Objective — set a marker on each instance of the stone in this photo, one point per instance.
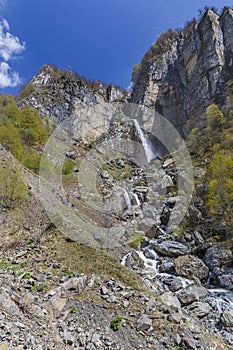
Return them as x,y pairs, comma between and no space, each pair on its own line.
167,267
218,256
4,346
95,338
227,318
104,290
199,309
191,267
225,279
170,248
191,293
144,323
167,163
149,226
169,299
189,344
59,303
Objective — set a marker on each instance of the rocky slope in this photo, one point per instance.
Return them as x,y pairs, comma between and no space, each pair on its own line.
182,80
58,294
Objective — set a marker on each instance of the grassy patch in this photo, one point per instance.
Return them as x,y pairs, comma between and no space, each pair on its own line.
83,259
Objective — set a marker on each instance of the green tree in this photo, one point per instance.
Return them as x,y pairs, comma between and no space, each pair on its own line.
32,127
10,139
220,188
214,117
13,189
31,159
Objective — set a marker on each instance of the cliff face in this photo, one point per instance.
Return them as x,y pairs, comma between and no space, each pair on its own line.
185,79
58,94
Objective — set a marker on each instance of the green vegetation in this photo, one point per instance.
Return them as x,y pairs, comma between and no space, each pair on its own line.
22,131
136,240
214,117
116,323
220,188
68,167
83,259
214,153
13,189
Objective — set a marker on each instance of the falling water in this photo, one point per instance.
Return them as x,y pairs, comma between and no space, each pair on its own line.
127,199
124,259
137,199
146,144
153,263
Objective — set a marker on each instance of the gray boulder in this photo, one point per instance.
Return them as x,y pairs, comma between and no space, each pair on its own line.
170,248
191,267
218,256
191,293
227,318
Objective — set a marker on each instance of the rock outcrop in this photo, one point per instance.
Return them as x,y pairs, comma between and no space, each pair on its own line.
183,80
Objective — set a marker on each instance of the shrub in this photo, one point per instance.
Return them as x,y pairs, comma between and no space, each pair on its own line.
116,323
214,117
13,189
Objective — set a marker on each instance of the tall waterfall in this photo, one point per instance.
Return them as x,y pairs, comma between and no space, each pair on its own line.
146,143
127,199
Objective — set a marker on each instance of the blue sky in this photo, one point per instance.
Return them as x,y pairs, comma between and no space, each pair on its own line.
100,39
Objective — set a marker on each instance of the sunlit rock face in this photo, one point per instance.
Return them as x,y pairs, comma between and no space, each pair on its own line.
185,79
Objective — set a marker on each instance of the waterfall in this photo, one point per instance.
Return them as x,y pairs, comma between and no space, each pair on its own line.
152,263
146,144
127,199
124,259
137,199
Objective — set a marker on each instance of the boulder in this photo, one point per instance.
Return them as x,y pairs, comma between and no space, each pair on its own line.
227,318
218,256
190,266
225,279
169,299
144,323
148,226
199,309
191,293
170,248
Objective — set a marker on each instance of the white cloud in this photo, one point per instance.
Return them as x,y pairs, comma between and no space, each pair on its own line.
10,48
7,77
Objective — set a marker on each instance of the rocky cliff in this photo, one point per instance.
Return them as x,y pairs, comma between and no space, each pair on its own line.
182,80
57,94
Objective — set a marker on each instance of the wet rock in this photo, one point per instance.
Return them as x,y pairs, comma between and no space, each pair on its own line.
190,266
167,267
225,279
170,248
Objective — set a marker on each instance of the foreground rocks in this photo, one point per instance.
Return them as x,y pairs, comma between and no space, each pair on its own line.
45,306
